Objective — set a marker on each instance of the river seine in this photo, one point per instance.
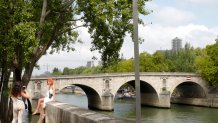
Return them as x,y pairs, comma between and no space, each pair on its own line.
126,109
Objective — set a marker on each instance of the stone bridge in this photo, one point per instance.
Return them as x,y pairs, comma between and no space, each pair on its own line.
156,88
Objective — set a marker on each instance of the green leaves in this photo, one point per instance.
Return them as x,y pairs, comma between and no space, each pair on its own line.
16,29
108,23
207,64
23,36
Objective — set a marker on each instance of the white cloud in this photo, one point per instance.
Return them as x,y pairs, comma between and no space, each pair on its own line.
169,15
127,49
159,37
173,16
156,37
204,2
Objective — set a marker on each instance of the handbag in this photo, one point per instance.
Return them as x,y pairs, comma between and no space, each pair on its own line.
50,95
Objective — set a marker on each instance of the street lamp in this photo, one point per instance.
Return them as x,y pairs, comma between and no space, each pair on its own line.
136,60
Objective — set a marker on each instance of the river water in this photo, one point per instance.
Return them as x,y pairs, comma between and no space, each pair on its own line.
126,109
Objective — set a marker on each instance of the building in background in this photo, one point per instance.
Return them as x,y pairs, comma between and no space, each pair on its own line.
176,44
90,64
99,63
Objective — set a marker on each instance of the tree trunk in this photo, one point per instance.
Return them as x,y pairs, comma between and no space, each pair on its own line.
1,83
5,91
17,74
2,62
4,98
26,78
4,109
28,71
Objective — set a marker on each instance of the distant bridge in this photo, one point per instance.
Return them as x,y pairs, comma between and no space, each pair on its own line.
156,88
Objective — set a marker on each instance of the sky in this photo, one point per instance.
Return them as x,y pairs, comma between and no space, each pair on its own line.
194,21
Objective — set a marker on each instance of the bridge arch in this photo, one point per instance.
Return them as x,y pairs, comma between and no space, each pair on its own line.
149,95
60,89
94,99
188,89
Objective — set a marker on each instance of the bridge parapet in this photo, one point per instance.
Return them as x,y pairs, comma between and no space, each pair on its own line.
117,74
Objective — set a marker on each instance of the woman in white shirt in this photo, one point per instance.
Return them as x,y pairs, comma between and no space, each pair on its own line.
49,96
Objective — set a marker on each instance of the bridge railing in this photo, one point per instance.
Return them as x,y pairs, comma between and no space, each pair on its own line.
119,74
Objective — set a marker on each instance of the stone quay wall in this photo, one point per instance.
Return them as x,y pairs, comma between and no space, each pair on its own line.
57,112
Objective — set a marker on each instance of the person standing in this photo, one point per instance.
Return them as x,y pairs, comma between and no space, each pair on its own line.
17,93
50,96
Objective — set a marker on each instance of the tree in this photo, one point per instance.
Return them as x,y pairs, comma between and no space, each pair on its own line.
56,71
186,58
122,66
30,27
161,63
66,71
207,64
10,31
113,17
182,60
146,62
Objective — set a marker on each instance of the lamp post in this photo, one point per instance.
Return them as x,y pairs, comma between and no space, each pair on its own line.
136,60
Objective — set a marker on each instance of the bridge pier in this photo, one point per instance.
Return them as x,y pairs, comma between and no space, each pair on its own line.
107,101
164,99
151,99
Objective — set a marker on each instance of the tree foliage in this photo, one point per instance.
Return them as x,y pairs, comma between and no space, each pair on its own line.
56,71
207,64
108,23
167,61
121,66
181,60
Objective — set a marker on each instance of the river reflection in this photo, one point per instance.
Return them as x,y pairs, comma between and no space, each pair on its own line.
126,109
